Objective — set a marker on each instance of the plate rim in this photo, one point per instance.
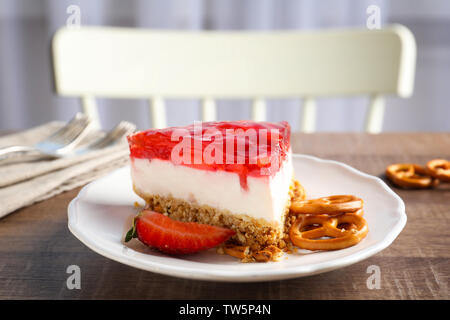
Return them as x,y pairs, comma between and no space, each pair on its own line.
248,276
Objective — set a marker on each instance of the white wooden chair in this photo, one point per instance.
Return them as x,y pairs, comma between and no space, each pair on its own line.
92,62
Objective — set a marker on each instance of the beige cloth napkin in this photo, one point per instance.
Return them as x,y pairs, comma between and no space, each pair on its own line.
23,184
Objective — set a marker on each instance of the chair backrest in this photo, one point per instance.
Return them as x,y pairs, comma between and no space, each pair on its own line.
110,62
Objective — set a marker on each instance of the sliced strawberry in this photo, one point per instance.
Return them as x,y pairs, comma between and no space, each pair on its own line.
161,232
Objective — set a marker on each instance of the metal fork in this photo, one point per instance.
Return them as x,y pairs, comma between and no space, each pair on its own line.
58,144
124,128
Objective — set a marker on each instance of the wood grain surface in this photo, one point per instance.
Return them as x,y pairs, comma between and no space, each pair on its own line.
36,246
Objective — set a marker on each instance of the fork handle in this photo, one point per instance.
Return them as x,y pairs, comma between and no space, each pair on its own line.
15,154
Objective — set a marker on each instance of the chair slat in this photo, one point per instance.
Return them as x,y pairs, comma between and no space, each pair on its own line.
131,63
158,112
375,114
89,107
308,120
209,110
259,109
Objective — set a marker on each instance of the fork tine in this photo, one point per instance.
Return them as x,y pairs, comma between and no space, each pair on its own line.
76,129
74,132
119,131
72,137
70,130
77,119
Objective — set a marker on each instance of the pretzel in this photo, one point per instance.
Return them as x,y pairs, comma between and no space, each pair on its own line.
270,253
332,205
346,226
439,169
239,252
262,255
305,237
409,175
299,191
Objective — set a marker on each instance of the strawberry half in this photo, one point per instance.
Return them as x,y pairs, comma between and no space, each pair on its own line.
170,236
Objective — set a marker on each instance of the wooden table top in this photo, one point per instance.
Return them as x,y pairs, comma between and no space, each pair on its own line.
36,246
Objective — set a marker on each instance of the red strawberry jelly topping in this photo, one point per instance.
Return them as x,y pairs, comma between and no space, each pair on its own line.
247,147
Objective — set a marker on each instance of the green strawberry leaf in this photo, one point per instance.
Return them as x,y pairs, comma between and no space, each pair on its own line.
132,232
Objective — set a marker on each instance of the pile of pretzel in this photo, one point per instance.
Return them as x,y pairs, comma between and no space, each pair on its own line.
414,176
327,223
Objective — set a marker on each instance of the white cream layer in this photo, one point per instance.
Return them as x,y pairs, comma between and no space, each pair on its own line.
265,198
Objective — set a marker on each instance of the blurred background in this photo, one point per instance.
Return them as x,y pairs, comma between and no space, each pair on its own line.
27,96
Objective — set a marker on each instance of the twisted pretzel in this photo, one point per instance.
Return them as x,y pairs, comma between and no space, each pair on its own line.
439,169
307,230
409,175
332,205
346,226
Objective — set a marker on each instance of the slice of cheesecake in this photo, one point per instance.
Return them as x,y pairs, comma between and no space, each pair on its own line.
233,174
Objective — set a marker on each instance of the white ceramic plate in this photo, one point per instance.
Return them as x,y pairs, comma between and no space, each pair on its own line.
102,212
